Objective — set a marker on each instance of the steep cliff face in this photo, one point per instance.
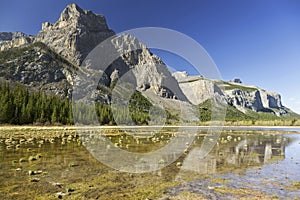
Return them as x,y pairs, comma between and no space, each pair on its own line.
8,36
243,97
48,61
148,70
258,100
75,33
10,40
78,31
198,89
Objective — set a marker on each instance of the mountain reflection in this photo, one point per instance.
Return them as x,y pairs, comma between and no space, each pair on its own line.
237,152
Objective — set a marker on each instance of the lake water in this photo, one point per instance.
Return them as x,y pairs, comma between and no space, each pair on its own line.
58,163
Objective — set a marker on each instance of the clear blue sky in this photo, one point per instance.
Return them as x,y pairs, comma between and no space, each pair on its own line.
257,41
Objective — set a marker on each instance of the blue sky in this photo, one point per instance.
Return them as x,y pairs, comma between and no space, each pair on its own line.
257,41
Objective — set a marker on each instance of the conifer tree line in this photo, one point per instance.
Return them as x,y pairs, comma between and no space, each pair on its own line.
19,106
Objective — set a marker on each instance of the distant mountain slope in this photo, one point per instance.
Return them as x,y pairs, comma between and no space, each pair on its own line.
8,36
51,60
37,67
72,37
250,101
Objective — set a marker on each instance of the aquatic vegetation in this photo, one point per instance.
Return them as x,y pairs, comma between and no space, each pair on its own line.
57,169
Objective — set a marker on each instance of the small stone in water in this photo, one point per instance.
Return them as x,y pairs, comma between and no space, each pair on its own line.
35,180
210,187
38,155
30,172
32,158
60,195
161,161
22,160
57,184
70,190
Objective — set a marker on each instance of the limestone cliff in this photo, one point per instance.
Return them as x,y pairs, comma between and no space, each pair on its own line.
258,100
243,97
50,60
10,40
8,36
198,89
75,33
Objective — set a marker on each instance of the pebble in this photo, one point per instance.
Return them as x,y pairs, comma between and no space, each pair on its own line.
22,160
70,190
161,161
60,195
18,169
32,158
35,180
178,164
210,187
30,172
57,184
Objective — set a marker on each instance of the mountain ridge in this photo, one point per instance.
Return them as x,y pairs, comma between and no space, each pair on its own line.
77,32
241,96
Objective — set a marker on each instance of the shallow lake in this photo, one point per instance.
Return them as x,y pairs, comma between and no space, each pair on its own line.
64,163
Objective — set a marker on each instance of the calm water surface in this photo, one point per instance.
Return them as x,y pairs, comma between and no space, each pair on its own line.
51,164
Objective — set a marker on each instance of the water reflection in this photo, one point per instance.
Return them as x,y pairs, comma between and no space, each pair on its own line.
237,152
67,159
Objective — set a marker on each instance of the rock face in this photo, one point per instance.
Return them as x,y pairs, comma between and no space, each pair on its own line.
257,100
75,34
243,97
148,70
135,64
197,89
78,31
10,40
8,36
49,62
38,68
270,99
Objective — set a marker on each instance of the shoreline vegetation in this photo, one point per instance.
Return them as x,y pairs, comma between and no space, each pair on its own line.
203,127
20,106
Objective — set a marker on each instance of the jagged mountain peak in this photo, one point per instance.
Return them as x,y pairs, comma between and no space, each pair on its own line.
73,14
76,33
71,11
73,7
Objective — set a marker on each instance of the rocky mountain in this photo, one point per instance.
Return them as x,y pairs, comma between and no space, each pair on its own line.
75,33
51,60
240,96
8,36
37,67
72,37
198,89
10,40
